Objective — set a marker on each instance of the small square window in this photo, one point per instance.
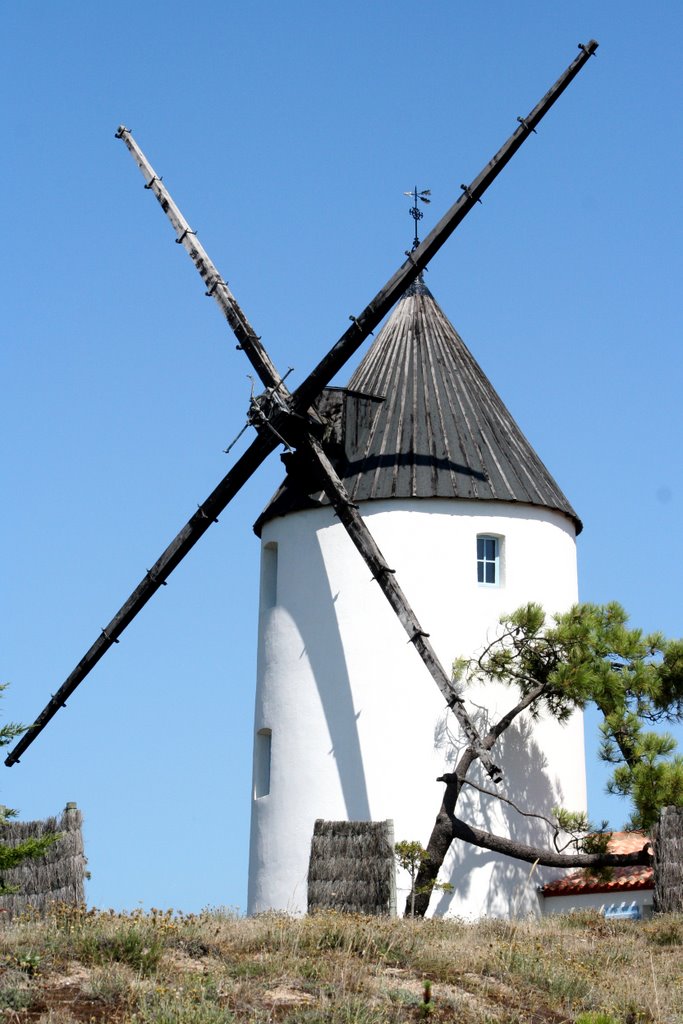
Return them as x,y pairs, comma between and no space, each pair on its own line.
488,560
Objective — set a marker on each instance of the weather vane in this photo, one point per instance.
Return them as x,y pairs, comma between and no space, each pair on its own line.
415,211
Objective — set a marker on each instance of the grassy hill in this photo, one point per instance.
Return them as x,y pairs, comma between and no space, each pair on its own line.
162,968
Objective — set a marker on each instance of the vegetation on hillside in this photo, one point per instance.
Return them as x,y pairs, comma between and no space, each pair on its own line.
159,968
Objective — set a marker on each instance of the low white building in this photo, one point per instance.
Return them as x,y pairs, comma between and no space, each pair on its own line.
627,892
348,723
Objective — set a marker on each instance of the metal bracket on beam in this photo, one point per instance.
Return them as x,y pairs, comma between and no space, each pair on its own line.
485,755
182,236
525,124
150,183
468,192
111,639
214,284
203,515
416,636
409,254
356,321
347,504
155,578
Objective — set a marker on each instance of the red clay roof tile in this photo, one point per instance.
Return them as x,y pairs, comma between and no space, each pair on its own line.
626,879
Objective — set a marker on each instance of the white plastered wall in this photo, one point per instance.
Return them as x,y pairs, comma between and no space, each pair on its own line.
643,898
358,726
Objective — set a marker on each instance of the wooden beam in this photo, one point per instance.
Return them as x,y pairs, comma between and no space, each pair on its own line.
156,577
417,260
216,287
292,408
385,577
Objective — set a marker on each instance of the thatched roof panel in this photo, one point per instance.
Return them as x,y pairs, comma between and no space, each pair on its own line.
352,867
57,876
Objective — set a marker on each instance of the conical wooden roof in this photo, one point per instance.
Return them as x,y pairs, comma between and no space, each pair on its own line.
433,428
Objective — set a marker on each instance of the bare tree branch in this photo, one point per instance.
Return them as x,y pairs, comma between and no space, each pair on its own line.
506,800
499,728
531,854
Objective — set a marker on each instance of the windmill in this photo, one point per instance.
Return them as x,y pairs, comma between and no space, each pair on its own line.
300,421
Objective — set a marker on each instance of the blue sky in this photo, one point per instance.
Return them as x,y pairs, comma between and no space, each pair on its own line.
287,134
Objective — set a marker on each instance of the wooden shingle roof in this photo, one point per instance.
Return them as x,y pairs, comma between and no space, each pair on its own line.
420,419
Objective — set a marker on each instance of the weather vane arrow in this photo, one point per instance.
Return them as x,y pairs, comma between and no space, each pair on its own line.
415,211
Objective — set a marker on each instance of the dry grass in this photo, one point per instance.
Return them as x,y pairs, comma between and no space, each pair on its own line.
160,968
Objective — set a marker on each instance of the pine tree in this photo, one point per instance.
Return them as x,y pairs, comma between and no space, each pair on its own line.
586,656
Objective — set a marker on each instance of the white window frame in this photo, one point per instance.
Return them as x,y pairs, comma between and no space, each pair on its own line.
485,561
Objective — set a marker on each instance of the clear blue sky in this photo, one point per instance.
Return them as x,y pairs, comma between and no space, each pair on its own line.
287,133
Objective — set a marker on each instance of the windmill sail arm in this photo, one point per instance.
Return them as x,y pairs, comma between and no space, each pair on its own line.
216,287
365,543
418,259
196,527
374,312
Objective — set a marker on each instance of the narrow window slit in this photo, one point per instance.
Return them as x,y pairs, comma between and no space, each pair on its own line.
264,739
269,576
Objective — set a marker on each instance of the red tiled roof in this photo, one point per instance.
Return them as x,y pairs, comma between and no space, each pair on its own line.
626,879
627,842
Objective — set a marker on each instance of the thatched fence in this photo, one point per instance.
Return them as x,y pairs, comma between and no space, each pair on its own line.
57,876
667,841
352,867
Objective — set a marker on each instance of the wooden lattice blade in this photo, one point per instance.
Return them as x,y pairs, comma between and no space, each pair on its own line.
216,287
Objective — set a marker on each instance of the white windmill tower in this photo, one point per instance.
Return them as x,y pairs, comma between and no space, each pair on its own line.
344,727
348,725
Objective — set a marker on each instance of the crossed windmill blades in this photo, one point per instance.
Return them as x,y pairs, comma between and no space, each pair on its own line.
280,416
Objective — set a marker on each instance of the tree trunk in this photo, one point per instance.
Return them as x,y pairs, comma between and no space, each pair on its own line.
441,837
442,833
